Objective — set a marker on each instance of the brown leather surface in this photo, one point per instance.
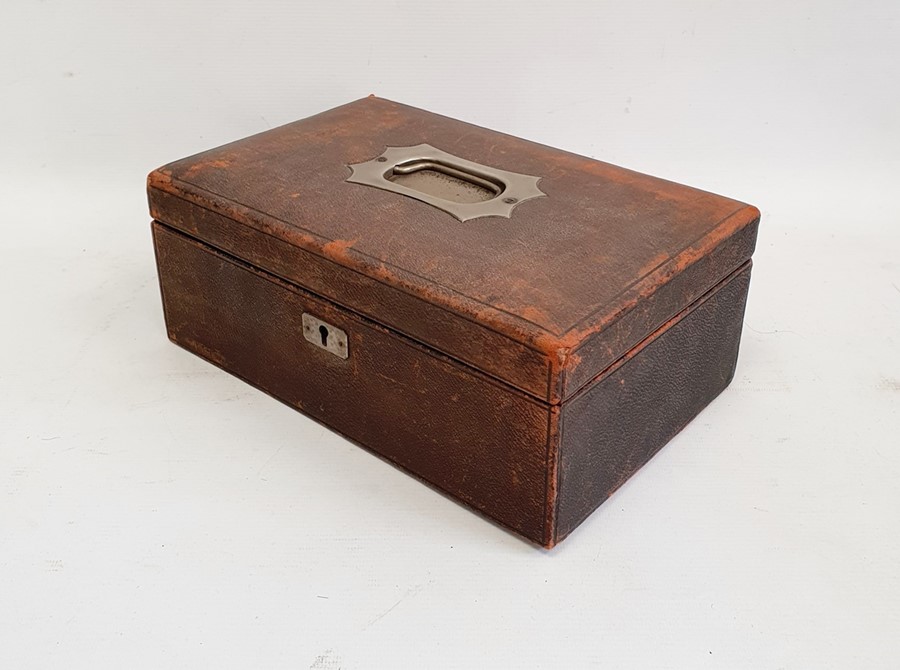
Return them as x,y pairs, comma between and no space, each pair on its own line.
615,425
544,300
470,436
518,364
536,468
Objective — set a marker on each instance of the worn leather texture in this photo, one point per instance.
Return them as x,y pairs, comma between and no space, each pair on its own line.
544,300
621,420
483,442
534,467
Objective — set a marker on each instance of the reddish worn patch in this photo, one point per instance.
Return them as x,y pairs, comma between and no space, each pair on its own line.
534,306
381,271
216,163
654,263
338,250
535,315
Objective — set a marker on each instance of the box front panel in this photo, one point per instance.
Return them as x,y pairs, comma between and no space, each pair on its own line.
480,441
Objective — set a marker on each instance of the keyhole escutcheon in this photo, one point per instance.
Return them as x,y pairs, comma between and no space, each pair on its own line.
325,336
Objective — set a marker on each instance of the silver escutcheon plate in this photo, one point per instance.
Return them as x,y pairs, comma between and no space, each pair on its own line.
462,188
325,336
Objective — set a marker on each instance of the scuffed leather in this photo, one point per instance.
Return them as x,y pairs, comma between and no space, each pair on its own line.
543,300
620,421
478,440
533,467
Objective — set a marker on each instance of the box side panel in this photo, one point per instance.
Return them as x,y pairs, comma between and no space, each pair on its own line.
643,308
615,425
480,441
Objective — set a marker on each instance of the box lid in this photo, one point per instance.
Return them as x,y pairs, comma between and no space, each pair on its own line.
543,294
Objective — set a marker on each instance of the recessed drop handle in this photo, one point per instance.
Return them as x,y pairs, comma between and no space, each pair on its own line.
496,188
462,188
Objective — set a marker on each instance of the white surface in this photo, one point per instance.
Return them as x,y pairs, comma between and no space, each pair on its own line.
156,512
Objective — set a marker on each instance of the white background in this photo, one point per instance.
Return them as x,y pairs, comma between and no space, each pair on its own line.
156,512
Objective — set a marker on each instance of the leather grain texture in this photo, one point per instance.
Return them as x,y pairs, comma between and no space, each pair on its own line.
482,442
623,418
543,301
534,467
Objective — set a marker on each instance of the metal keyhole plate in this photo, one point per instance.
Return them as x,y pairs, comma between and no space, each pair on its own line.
325,336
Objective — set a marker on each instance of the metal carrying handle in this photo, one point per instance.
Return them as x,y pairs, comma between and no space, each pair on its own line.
462,188
418,165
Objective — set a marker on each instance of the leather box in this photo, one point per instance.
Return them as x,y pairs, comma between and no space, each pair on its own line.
520,327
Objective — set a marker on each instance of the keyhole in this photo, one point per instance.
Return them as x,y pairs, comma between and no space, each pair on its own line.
323,333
